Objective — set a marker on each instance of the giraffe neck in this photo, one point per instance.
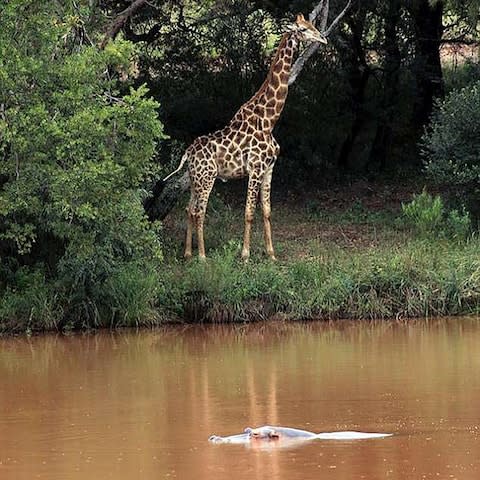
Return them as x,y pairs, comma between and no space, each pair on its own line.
264,109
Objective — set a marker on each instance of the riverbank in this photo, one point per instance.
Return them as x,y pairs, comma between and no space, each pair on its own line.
417,279
350,258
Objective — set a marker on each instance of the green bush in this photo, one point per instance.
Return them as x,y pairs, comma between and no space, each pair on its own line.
428,216
29,302
424,213
451,146
129,295
77,147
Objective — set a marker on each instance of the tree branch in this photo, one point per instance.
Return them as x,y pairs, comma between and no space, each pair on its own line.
147,37
339,17
301,61
120,20
316,11
321,10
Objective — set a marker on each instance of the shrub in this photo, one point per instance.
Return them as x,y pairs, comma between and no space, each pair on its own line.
451,146
424,212
428,216
77,148
461,75
29,302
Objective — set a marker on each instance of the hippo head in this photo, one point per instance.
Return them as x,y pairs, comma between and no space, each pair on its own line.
262,433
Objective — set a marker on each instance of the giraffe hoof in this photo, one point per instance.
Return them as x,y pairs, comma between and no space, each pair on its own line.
273,258
187,255
245,257
202,258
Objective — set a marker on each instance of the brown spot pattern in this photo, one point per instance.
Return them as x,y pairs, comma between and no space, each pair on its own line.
245,147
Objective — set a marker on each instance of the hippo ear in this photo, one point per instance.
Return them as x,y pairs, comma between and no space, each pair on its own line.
273,434
248,430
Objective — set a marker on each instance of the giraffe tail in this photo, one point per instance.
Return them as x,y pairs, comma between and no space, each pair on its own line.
182,163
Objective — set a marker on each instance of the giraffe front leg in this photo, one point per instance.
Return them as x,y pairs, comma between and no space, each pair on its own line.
267,227
252,196
201,208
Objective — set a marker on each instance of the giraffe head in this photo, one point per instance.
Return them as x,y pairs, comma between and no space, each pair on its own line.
305,31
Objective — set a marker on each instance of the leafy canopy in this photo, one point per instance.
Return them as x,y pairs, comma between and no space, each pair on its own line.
76,147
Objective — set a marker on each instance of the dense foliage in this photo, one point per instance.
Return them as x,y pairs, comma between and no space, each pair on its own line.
452,145
76,151
360,105
86,88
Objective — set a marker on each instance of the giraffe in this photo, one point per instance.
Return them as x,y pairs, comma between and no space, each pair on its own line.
245,147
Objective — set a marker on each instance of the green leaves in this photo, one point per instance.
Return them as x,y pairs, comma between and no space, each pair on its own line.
451,146
76,152
429,217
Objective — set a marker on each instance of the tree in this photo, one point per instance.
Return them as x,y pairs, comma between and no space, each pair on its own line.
428,26
76,148
360,105
451,146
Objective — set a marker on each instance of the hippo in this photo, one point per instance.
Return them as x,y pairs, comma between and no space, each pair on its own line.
287,436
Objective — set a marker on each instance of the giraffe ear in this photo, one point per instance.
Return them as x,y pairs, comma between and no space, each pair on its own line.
300,17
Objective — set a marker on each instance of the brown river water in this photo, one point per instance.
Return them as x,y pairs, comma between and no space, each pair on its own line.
142,405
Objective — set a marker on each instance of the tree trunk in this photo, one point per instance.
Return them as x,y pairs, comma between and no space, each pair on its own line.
358,75
427,67
384,135
164,196
358,81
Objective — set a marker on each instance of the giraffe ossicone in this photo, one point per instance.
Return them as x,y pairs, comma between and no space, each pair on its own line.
246,146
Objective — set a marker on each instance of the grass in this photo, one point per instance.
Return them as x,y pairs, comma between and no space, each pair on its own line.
354,258
357,259
418,279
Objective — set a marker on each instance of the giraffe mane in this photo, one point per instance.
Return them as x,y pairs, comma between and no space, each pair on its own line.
274,60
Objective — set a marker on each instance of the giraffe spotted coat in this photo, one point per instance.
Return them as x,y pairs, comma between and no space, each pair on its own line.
245,147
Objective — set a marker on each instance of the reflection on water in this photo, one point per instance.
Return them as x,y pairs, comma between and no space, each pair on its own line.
125,405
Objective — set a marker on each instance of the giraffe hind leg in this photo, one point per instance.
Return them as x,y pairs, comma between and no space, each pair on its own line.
266,208
252,197
190,225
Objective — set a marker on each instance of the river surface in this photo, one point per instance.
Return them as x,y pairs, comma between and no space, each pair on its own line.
142,405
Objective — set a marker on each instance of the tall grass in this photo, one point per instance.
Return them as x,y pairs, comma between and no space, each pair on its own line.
419,279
